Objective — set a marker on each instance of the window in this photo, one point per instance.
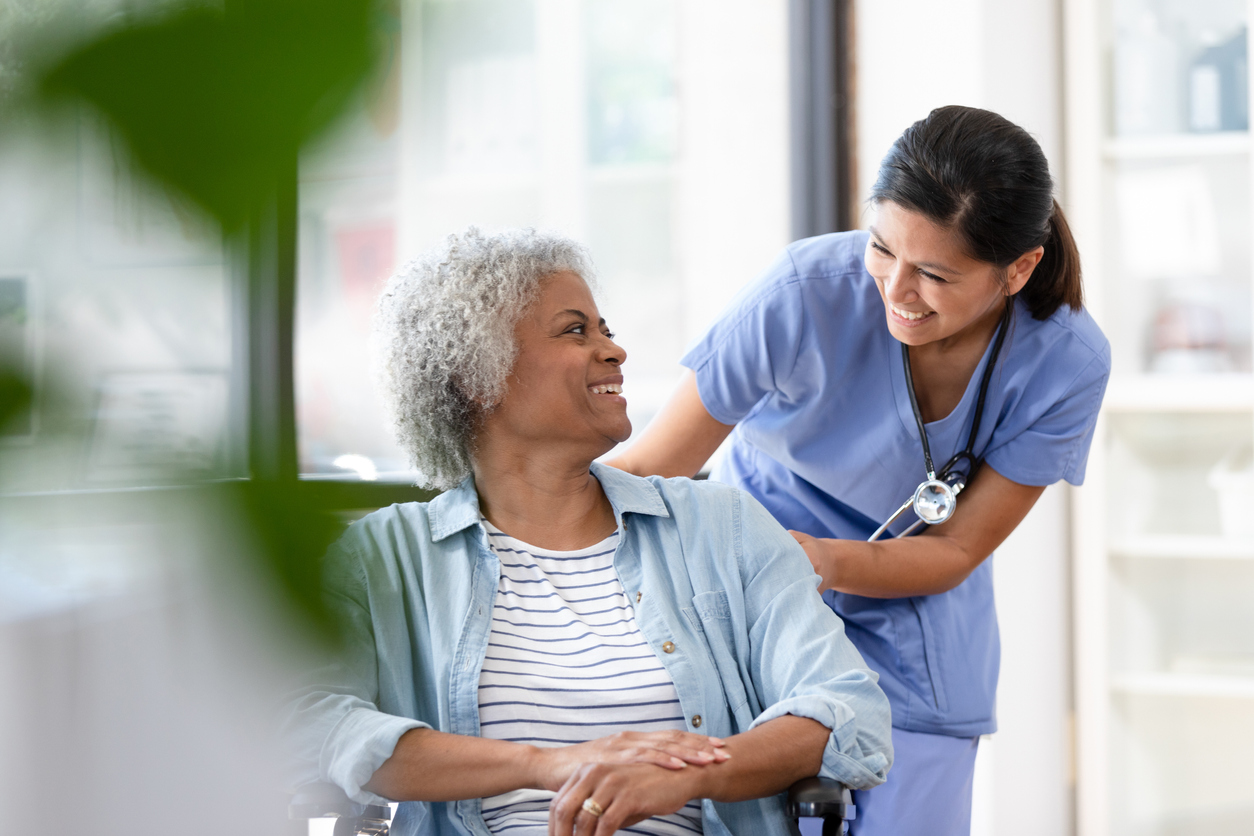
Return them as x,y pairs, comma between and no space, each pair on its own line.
654,131
657,132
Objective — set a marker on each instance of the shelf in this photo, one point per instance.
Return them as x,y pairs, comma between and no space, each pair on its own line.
486,181
631,172
1219,392
1183,546
503,181
1182,685
1176,146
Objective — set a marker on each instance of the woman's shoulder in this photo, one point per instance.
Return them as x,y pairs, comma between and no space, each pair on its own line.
700,507
1066,339
687,504
822,259
699,494
826,271
402,532
830,275
833,254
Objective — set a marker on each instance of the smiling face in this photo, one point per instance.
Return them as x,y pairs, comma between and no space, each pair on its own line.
933,290
566,385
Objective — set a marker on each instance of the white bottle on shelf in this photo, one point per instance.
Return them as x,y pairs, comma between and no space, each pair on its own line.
1148,80
1218,84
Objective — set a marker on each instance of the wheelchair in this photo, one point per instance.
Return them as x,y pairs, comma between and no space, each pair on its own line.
820,798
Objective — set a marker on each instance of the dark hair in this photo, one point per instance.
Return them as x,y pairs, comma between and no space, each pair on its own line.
978,173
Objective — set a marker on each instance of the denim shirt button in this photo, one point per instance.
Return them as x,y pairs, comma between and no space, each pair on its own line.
696,721
638,594
668,647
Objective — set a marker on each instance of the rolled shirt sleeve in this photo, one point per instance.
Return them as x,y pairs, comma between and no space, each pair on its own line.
801,661
333,726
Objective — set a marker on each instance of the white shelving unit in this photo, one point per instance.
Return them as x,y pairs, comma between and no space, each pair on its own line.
1183,685
1163,575
1176,146
1182,547
1141,393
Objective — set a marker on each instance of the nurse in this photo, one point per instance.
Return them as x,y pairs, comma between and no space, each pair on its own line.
966,284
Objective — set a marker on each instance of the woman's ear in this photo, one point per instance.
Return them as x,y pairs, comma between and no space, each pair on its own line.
1020,270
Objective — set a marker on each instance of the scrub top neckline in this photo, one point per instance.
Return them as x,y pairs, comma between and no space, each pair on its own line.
960,413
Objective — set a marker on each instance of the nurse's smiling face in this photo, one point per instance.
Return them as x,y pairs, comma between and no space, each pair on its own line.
932,290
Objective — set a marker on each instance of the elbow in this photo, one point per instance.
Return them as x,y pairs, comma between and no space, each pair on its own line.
958,562
860,754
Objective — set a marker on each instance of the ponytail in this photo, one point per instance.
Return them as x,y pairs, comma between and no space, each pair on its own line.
1056,280
984,177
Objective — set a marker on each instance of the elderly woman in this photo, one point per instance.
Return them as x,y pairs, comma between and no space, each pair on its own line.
552,645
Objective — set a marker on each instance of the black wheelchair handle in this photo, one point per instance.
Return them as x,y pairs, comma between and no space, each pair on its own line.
820,798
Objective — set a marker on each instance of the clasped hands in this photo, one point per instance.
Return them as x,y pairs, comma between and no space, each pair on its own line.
630,776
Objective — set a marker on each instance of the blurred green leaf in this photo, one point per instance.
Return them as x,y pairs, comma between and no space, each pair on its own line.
216,101
15,396
293,535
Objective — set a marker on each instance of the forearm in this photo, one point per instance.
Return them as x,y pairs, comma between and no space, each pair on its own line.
679,440
896,568
764,761
428,765
935,561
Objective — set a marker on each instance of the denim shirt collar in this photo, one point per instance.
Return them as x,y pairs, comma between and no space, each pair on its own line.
458,509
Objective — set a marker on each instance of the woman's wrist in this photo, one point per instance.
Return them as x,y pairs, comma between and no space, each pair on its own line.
537,766
705,781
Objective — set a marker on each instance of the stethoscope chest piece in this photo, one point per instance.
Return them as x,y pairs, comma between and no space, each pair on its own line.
934,501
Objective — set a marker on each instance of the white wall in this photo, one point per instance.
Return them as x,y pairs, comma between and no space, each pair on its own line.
914,55
142,664
1003,55
1028,777
733,213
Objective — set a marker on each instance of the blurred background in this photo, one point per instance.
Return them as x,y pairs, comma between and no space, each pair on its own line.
174,352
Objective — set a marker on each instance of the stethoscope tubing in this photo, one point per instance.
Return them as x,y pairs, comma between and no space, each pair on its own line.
967,453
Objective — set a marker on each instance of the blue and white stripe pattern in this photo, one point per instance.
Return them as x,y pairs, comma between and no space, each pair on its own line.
566,663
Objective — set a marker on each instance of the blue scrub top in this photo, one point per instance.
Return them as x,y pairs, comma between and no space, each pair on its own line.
804,364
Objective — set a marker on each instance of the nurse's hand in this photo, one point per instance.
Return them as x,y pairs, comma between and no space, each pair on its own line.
819,552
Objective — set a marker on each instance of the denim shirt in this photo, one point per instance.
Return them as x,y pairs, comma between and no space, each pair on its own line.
709,571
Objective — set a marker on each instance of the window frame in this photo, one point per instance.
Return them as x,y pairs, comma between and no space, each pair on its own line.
265,257
821,105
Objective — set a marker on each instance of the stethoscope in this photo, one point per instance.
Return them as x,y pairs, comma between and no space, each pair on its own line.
935,500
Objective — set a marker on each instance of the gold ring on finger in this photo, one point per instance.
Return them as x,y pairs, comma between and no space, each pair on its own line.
590,806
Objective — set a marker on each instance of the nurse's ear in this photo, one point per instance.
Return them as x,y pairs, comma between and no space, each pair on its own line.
1020,270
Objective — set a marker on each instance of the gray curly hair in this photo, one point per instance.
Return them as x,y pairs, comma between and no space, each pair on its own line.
444,337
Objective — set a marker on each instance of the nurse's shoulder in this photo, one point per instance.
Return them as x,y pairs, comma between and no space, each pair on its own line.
1067,339
825,272
722,528
830,255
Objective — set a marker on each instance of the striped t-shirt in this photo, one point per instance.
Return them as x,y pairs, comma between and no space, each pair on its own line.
566,663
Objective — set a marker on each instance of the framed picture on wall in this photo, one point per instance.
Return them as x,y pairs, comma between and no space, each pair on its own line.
159,426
